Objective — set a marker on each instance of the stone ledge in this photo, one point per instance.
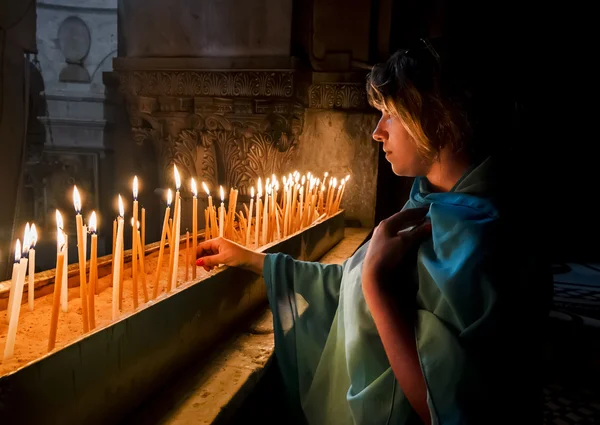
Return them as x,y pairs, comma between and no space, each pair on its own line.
213,391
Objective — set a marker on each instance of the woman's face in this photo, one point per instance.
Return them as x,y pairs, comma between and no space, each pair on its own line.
399,147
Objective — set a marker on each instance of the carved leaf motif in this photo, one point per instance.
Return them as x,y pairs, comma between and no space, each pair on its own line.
140,135
188,83
185,152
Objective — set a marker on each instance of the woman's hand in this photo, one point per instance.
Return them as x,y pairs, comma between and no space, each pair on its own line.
391,242
220,251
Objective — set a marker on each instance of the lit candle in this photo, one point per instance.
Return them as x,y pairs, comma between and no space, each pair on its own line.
258,207
62,242
81,252
249,213
117,265
16,307
60,239
161,249
175,242
31,288
15,278
93,268
134,250
194,223
222,213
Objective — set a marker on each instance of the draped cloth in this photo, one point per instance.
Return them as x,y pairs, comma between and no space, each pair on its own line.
328,349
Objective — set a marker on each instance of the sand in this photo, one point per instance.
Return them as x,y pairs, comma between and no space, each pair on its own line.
33,331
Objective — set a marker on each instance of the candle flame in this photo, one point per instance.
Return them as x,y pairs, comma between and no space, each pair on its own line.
17,251
177,178
284,181
334,182
59,221
135,188
33,236
259,187
76,200
252,192
303,180
121,207
222,193
27,237
194,188
169,197
273,178
93,224
205,187
325,175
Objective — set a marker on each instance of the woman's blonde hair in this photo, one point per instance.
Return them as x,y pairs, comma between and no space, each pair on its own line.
409,86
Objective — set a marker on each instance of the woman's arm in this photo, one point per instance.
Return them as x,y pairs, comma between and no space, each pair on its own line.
388,247
396,329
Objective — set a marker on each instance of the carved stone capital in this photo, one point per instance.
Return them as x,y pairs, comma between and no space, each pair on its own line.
224,127
238,83
344,96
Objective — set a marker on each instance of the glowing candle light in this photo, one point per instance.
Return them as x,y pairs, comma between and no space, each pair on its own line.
15,279
177,231
93,225
222,213
81,251
60,243
117,261
31,288
134,247
194,223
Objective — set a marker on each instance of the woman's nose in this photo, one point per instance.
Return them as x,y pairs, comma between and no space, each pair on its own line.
379,134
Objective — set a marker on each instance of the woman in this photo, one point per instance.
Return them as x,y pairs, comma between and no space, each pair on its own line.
418,326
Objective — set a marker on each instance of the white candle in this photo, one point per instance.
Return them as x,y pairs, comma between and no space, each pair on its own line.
31,287
117,261
14,280
250,216
16,308
222,213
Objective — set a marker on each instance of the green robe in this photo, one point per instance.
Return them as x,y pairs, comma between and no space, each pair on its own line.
330,354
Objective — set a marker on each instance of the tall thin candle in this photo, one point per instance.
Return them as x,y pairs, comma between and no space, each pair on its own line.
175,242
117,265
31,287
161,249
222,213
93,269
194,223
60,238
249,216
62,243
134,247
16,308
81,251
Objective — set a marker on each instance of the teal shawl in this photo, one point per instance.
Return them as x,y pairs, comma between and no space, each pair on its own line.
327,346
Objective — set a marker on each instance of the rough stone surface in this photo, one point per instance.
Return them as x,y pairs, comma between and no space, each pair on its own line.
211,392
205,28
340,143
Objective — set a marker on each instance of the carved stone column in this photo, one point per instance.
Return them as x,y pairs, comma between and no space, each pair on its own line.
224,127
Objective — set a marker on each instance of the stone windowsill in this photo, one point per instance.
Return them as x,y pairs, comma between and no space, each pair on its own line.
217,387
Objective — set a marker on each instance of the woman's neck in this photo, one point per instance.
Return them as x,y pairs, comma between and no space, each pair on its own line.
445,172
